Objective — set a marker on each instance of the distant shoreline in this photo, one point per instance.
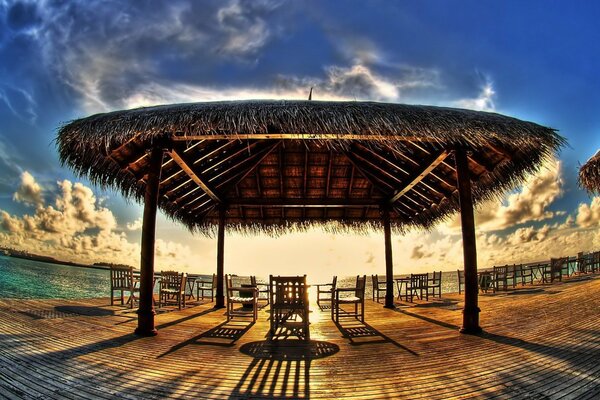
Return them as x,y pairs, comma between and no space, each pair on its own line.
46,259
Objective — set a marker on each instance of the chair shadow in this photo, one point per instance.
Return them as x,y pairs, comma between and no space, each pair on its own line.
427,319
361,333
88,311
188,317
280,369
224,334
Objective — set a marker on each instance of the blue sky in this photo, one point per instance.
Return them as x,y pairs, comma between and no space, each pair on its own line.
534,60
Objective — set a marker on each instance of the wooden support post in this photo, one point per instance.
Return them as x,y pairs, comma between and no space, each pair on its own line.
389,261
146,309
220,298
467,220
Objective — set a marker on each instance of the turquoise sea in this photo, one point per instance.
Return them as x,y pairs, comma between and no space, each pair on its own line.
26,279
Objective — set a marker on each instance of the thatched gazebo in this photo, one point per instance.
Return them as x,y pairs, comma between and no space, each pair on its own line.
278,166
589,174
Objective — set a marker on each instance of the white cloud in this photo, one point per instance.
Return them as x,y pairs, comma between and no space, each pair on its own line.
527,204
588,215
29,192
483,102
135,225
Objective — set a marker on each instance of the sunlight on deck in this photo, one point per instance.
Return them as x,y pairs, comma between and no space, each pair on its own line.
541,343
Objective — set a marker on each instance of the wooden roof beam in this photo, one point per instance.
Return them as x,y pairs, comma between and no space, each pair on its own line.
260,154
420,175
376,167
193,176
302,136
315,203
382,158
329,173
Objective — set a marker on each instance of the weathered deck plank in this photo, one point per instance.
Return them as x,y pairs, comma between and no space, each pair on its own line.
540,343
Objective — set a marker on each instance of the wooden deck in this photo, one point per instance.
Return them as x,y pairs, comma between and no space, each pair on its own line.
539,343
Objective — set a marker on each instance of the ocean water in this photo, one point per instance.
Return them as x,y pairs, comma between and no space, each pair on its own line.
26,279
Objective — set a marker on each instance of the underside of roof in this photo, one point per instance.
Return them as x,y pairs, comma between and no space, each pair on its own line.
280,166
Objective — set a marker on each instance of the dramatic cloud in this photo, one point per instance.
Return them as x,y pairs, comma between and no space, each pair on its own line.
30,192
529,203
76,227
588,215
106,54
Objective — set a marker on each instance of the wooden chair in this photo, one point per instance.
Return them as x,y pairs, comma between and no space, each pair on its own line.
378,287
461,280
121,279
525,272
357,299
595,263
417,287
240,295
554,270
289,306
502,275
434,284
325,289
172,288
263,288
485,280
203,286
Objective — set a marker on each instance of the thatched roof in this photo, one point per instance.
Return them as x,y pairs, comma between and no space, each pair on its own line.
284,165
589,174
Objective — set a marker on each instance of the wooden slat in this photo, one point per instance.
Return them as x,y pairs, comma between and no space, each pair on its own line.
287,202
193,176
418,177
536,345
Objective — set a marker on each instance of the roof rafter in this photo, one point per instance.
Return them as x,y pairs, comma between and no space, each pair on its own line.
430,166
194,176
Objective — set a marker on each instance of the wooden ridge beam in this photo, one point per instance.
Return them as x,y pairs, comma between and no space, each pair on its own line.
302,136
193,176
317,203
422,174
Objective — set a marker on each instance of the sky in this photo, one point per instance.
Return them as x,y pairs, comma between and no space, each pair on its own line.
59,60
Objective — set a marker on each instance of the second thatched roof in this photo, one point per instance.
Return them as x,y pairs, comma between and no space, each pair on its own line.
589,174
285,165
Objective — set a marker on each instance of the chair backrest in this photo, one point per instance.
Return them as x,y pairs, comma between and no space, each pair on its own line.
228,284
121,277
288,290
172,280
361,282
418,280
500,272
461,280
375,281
214,281
556,264
436,280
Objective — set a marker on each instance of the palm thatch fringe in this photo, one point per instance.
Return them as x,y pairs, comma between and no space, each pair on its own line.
86,144
589,174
